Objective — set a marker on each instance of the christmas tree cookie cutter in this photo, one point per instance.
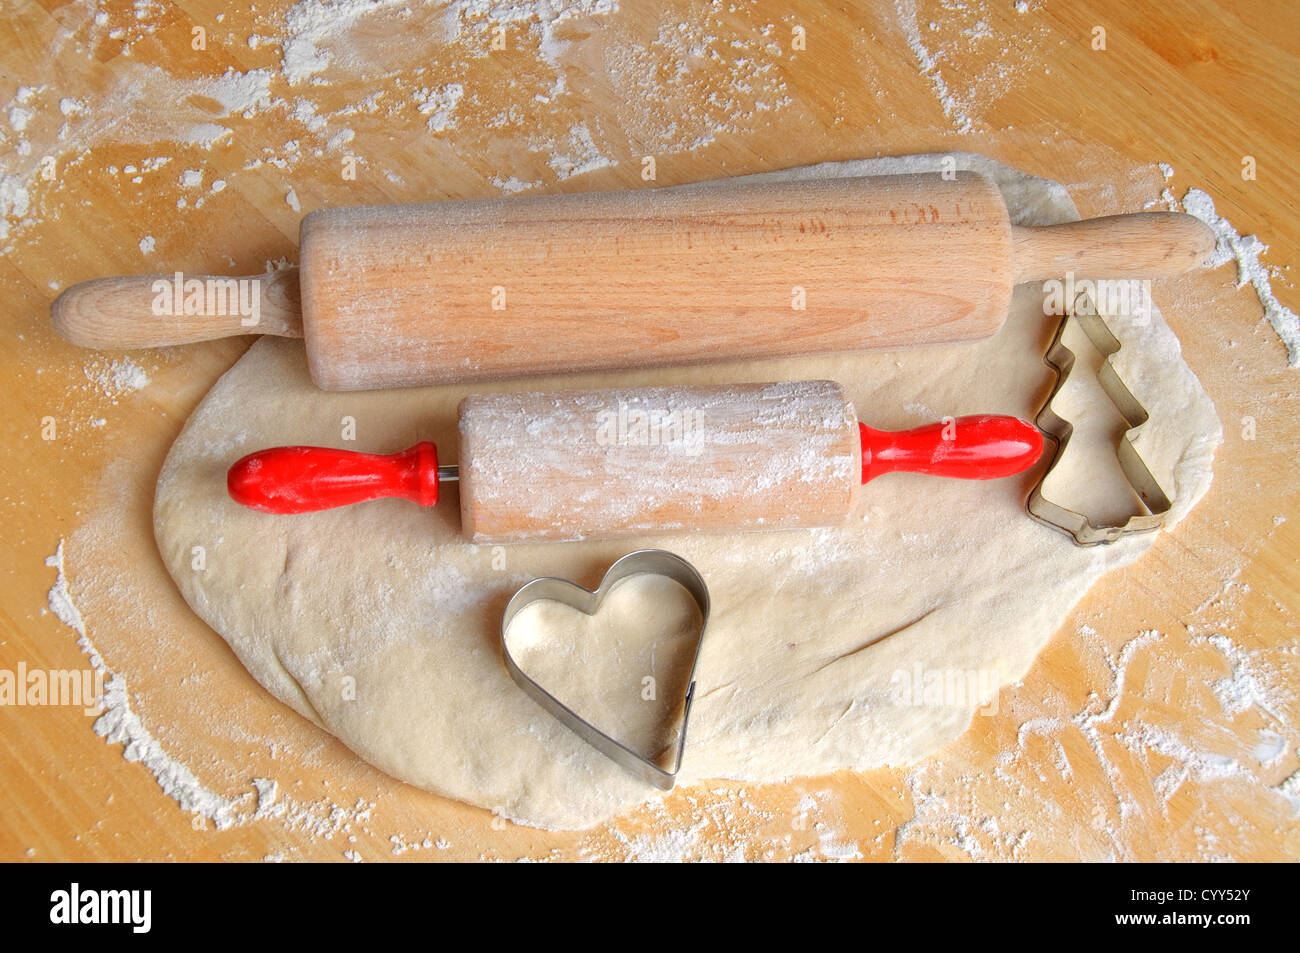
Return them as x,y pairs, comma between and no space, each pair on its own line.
1148,489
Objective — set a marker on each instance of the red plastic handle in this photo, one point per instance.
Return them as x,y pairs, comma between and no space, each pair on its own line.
303,479
980,447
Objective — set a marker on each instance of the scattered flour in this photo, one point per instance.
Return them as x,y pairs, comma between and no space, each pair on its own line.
19,118
14,201
114,379
304,112
146,247
351,39
1245,687
581,155
119,724
1246,251
512,184
439,104
341,138
543,18
1290,789
953,108
311,24
665,847
239,93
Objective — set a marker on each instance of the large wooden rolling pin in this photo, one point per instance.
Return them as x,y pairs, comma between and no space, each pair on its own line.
496,288
621,462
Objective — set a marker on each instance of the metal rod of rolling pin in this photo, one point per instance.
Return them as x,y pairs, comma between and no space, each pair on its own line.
448,474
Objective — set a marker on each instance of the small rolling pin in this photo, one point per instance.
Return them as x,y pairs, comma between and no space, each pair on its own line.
607,463
494,288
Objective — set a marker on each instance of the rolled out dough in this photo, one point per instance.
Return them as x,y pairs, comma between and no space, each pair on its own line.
826,648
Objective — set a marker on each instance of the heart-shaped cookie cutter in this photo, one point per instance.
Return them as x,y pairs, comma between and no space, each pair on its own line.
656,562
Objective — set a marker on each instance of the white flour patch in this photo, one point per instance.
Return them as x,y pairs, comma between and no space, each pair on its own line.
580,156
14,201
667,847
723,826
831,842
119,724
239,93
439,104
969,65
953,108
691,84
61,604
19,117
349,46
1290,789
341,139
114,379
125,111
313,24
1246,251
1246,686
512,184
468,19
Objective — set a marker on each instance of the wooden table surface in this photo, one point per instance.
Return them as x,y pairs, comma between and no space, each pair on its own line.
1159,723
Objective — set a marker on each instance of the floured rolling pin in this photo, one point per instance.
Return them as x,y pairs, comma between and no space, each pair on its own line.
607,463
496,288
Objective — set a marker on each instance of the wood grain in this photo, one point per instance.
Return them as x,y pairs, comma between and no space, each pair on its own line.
610,463
125,313
1145,245
492,289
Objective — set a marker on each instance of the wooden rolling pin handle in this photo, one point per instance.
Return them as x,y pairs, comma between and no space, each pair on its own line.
1139,245
305,479
161,310
979,447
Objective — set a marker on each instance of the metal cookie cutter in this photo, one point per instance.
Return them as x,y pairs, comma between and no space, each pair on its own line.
1144,484
656,562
